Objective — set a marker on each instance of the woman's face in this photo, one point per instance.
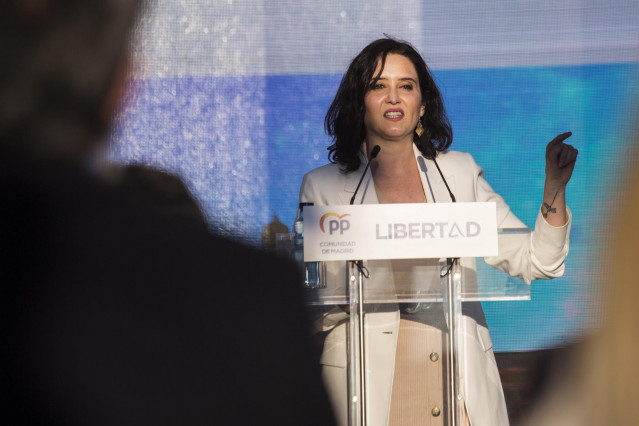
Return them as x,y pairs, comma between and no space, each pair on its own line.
394,103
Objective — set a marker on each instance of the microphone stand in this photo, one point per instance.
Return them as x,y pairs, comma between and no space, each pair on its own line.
357,332
453,277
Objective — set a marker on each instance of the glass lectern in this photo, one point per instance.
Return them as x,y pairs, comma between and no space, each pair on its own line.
396,329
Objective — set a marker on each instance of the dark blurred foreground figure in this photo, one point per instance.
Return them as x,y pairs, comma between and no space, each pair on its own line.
112,313
149,185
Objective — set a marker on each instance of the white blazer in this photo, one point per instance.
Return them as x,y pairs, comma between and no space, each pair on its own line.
539,256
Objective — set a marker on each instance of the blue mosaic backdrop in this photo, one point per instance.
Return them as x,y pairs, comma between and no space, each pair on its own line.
243,139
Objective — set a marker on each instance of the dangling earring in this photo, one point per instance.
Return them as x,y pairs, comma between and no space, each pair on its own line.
419,129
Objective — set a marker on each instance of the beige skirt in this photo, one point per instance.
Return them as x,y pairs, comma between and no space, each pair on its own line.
418,392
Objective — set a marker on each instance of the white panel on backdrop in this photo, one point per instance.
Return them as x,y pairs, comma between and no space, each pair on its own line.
199,37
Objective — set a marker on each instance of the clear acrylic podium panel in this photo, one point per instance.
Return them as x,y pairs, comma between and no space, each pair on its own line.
412,370
418,280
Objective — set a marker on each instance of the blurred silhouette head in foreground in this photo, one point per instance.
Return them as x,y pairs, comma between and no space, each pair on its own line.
66,64
111,311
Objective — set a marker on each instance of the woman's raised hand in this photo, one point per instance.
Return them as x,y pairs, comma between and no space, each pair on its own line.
560,160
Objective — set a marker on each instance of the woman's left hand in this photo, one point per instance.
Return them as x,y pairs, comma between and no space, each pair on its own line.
560,160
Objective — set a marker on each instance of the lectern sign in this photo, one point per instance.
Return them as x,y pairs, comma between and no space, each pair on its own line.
399,231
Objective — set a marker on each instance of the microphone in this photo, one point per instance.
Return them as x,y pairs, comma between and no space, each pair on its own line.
433,154
374,153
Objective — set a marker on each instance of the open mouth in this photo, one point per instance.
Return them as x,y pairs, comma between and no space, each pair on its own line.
393,114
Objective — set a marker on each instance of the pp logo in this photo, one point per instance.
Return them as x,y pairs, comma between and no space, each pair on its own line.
335,223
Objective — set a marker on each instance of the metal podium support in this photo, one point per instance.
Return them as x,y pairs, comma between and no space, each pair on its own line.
356,346
452,297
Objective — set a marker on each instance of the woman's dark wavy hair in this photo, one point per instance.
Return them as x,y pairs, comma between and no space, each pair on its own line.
344,121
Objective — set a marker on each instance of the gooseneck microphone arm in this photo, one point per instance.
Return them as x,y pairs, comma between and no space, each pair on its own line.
433,154
374,153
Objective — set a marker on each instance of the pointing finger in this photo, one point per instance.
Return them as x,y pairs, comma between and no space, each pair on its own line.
560,138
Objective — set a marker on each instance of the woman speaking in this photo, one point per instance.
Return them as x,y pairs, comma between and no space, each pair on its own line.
388,98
